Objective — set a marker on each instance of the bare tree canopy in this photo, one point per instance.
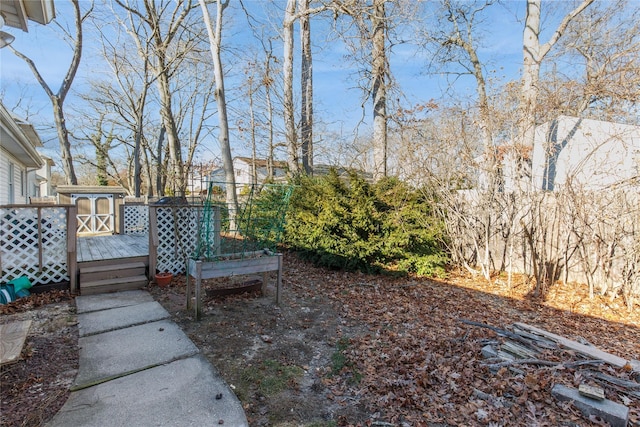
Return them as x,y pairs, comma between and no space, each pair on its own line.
57,98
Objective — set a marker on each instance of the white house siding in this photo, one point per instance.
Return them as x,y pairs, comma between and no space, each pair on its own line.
12,191
244,170
587,154
4,178
42,179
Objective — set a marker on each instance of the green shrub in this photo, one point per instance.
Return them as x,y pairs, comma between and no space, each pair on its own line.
353,225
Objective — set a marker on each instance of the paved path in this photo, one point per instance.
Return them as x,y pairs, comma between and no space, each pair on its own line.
137,368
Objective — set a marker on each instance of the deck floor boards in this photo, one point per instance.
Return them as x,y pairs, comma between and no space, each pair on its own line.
97,248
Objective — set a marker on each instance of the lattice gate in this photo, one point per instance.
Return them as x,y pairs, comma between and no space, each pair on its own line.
173,231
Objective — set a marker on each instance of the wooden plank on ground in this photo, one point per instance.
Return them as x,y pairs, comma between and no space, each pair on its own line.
12,337
587,350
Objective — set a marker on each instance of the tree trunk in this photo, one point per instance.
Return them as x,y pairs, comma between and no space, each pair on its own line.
215,43
252,130
137,167
63,137
379,90
159,173
148,176
533,55
306,125
57,99
289,120
269,102
530,73
176,166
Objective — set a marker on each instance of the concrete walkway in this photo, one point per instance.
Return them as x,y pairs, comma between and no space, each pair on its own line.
139,368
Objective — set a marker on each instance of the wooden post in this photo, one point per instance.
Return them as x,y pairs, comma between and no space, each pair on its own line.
198,289
217,228
72,256
265,281
188,282
121,222
279,283
153,241
40,263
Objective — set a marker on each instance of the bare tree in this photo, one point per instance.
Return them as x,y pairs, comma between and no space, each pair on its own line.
129,96
264,86
57,99
367,36
293,146
168,34
462,18
289,116
306,83
215,43
534,52
603,44
379,88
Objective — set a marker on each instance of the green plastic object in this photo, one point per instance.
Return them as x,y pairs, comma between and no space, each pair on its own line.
7,294
14,289
20,283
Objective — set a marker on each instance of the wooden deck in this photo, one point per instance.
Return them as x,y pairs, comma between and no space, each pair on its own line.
100,248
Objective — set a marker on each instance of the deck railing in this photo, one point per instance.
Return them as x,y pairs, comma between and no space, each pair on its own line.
35,242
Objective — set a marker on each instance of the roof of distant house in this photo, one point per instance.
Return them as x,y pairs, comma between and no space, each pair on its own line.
262,163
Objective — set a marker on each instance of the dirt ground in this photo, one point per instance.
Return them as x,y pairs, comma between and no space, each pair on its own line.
274,357
348,348
33,389
352,349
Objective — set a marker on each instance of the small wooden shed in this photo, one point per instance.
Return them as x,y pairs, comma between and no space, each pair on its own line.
98,206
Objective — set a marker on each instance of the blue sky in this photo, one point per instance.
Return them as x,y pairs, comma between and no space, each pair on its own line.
337,100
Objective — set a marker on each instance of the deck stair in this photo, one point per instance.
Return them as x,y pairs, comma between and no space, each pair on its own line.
112,263
112,275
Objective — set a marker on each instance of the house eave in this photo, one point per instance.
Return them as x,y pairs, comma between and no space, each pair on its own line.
17,142
17,13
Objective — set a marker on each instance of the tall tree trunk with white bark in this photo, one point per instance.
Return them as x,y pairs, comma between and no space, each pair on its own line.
379,90
215,43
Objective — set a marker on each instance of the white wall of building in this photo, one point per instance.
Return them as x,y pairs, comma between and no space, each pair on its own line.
588,154
13,180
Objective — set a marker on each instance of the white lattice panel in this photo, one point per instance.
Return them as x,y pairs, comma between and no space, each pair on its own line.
177,237
136,219
22,236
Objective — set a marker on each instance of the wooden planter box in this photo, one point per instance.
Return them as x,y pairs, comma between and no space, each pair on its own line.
228,268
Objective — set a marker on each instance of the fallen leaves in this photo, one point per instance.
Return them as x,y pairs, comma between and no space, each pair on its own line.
35,300
33,389
417,364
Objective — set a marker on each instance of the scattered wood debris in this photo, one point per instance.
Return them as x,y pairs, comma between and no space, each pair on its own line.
587,350
524,344
591,392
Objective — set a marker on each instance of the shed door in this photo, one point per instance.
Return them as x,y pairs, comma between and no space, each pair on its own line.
95,213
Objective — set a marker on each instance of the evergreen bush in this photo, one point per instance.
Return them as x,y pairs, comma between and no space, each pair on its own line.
353,225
